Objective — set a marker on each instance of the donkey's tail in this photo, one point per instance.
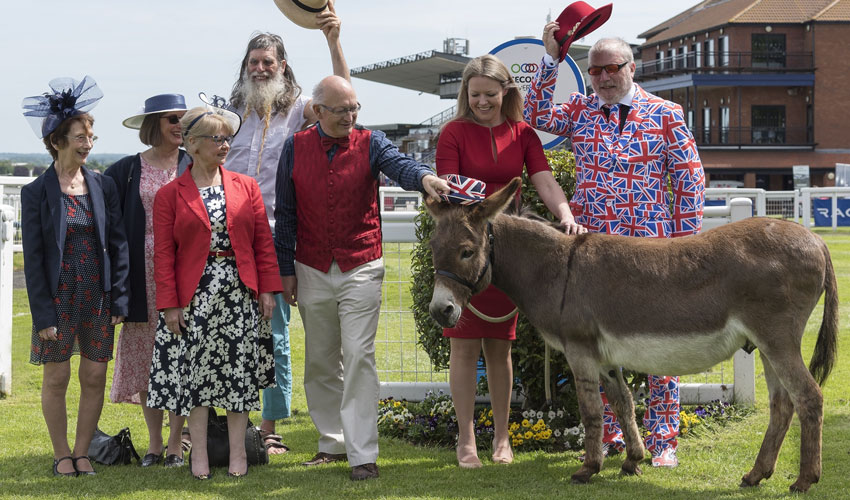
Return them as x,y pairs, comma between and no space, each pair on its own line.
826,347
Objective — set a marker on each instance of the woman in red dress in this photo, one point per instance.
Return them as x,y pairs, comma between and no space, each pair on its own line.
487,140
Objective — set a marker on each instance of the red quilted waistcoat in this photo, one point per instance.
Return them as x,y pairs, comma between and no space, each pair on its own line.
336,203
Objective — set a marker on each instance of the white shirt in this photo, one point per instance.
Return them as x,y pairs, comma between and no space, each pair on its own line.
253,140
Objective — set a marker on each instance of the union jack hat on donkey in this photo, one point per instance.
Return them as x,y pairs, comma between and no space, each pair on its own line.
465,190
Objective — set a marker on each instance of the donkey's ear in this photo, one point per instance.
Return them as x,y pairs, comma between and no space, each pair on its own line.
496,203
435,207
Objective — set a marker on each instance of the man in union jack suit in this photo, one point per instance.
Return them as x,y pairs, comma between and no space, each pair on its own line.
628,145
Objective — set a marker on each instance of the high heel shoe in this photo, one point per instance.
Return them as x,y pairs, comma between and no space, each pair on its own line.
200,477
67,474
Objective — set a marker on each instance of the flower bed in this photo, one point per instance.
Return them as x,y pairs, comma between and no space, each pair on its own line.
432,422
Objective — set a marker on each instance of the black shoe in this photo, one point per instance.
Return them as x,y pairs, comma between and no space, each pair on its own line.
174,461
83,472
56,468
200,477
237,475
151,459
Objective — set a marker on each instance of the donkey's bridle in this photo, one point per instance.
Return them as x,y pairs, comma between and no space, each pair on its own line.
491,256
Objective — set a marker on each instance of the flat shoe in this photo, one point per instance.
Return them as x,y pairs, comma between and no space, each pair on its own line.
364,471
174,461
151,459
83,472
67,474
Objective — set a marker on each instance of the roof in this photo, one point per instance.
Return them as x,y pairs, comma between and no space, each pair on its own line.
715,13
420,72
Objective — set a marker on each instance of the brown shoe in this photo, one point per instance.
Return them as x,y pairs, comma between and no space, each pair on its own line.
364,471
325,458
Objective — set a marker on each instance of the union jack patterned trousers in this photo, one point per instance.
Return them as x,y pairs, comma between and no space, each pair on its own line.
661,418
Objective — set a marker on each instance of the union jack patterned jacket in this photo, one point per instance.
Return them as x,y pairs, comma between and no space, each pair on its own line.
621,178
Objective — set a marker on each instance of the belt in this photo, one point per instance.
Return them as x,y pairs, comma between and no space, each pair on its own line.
223,253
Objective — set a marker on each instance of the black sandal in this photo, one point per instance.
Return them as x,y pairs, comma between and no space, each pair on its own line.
67,474
83,472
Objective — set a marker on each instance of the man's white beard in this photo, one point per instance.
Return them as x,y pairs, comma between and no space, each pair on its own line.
261,96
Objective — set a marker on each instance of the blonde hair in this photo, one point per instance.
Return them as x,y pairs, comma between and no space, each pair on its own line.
491,67
201,121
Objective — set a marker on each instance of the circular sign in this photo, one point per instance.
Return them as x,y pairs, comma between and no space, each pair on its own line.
523,57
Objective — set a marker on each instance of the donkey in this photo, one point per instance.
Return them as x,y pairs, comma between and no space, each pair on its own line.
667,306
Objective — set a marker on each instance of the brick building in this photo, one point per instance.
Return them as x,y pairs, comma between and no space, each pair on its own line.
763,84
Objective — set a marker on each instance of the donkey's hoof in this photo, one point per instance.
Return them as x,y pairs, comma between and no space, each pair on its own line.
580,477
800,486
746,482
630,469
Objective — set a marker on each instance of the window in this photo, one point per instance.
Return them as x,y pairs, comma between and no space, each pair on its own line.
723,50
708,45
696,49
706,125
659,61
768,50
671,56
768,124
690,119
724,125
683,57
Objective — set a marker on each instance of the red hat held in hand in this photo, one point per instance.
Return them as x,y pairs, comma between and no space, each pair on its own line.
577,21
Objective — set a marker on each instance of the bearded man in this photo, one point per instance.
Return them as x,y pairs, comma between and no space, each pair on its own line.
273,108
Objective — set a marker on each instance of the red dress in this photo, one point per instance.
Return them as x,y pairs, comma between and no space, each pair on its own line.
467,148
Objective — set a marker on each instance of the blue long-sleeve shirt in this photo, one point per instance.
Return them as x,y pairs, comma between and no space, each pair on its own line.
384,157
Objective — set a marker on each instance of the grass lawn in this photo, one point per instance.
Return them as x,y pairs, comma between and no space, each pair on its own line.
710,465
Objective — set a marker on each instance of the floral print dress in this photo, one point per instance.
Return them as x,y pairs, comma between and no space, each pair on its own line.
83,321
135,342
225,354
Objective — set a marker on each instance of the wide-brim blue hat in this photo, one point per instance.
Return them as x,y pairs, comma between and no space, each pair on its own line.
162,103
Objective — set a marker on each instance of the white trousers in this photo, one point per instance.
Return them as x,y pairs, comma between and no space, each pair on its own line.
340,313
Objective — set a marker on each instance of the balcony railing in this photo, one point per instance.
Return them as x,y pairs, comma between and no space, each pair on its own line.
766,137
726,62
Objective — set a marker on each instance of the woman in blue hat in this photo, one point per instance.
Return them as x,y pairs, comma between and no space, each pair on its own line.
75,261
138,178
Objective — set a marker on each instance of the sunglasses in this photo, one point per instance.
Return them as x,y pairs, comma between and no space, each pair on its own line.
609,68
172,119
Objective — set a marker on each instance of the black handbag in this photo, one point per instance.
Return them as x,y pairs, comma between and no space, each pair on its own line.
218,445
112,450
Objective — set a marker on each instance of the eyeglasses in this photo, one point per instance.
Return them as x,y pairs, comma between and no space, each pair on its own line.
609,68
172,119
83,139
342,110
219,139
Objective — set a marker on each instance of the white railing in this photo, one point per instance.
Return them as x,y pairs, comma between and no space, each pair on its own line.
804,200
741,389
7,218
758,196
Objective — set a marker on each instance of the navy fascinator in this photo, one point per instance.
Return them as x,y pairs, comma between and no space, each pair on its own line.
67,98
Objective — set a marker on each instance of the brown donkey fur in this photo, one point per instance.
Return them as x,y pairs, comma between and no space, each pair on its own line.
666,306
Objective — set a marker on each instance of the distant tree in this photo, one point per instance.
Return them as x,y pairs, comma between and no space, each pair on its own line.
36,171
21,171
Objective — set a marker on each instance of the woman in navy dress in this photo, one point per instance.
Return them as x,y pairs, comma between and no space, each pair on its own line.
76,264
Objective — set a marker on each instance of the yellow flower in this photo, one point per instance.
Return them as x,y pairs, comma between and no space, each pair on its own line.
397,403
514,426
490,413
528,435
488,423
525,423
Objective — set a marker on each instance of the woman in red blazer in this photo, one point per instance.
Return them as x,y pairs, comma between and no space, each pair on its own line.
215,271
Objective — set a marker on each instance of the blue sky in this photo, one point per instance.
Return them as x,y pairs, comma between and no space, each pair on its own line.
142,48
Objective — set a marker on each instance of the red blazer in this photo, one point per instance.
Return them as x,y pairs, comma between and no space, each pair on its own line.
182,233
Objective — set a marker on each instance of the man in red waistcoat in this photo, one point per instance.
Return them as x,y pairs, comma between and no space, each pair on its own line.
327,202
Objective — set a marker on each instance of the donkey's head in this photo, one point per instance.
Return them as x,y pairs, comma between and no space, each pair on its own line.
462,247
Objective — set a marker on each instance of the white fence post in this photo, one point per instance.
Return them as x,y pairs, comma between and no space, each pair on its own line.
7,233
